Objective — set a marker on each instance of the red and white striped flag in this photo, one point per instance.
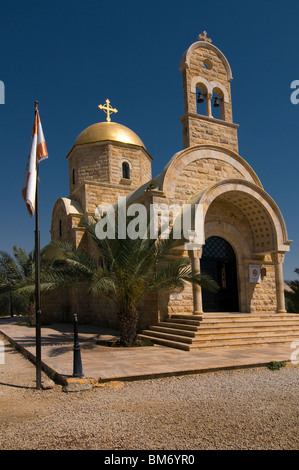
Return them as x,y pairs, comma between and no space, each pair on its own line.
38,153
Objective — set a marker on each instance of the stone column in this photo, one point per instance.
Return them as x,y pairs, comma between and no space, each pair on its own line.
195,256
278,258
209,104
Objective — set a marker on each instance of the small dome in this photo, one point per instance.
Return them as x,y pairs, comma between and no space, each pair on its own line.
102,131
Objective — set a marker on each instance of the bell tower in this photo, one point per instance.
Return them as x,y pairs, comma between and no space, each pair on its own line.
207,115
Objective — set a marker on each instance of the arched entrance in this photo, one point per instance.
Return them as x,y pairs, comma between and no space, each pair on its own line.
219,261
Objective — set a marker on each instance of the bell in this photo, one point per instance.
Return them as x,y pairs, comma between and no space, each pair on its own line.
200,98
216,102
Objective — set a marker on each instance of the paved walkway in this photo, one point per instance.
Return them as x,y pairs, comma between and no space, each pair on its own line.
105,363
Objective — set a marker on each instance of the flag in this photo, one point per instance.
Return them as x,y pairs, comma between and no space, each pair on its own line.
38,152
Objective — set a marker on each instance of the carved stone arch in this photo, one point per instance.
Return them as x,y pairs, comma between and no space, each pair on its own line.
197,81
209,87
264,217
220,90
168,179
185,62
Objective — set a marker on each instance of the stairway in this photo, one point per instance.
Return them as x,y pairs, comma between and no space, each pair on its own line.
219,330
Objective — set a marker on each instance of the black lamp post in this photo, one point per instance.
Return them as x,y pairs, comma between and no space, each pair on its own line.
77,365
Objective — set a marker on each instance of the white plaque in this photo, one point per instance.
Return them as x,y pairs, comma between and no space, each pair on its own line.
254,273
176,296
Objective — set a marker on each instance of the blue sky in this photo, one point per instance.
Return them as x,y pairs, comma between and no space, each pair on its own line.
72,55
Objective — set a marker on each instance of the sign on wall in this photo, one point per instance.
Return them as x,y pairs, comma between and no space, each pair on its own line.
254,273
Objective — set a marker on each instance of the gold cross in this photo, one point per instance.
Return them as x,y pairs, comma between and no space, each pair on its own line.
107,109
203,37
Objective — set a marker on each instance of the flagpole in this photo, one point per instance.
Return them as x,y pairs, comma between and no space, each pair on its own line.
37,278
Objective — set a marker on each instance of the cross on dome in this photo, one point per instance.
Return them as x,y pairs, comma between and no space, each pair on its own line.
203,37
107,109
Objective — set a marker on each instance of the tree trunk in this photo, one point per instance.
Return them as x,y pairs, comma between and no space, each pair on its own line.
32,314
128,321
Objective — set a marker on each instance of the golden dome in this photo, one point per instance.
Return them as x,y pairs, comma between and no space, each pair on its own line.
102,131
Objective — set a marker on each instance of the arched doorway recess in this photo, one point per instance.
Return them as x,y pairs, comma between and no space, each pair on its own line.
219,261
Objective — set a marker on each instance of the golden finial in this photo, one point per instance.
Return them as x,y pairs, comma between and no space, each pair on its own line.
203,37
107,109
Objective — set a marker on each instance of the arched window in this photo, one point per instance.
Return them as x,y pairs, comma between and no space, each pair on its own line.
126,170
60,227
73,176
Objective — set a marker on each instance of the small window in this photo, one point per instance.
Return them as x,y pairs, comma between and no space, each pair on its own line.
208,64
60,227
126,170
73,176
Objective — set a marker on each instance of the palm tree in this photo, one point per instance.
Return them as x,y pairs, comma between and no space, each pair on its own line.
15,270
129,270
292,295
17,280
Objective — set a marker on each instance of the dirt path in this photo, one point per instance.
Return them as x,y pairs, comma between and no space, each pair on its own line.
246,409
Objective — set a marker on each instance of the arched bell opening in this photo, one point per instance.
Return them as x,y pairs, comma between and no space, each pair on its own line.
217,104
203,102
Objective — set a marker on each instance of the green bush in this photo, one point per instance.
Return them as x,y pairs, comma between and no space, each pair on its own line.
19,304
276,365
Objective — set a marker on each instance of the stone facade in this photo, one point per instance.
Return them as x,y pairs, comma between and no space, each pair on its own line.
227,199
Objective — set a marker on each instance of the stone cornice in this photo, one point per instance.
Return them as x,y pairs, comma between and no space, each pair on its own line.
209,119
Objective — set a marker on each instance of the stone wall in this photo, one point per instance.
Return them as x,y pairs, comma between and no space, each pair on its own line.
202,130
201,174
262,297
206,63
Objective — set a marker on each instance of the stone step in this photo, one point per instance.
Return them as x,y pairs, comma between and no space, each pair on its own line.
224,330
167,343
246,335
175,331
225,325
266,321
250,328
168,336
183,321
244,343
198,318
221,330
236,323
216,318
191,337
179,326
216,344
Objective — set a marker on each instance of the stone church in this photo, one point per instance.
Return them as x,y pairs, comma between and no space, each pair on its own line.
241,234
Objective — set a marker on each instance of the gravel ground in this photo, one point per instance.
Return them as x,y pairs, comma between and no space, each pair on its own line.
231,410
